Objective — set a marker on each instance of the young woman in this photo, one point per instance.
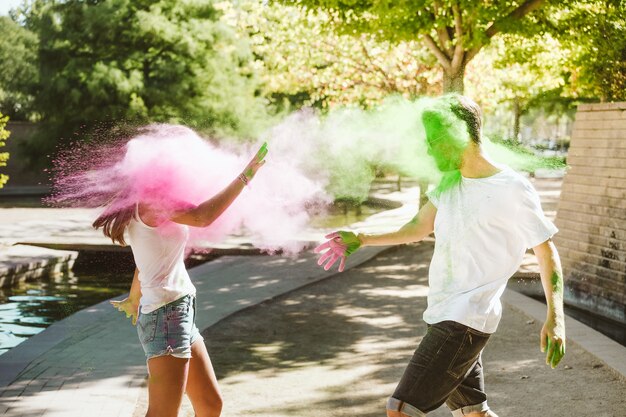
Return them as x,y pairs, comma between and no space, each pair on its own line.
162,297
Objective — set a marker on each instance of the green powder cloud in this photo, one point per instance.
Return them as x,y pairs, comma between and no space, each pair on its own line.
345,147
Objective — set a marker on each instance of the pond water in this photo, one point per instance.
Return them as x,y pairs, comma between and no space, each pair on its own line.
28,308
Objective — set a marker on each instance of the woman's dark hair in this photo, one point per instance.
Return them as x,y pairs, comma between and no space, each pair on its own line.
114,223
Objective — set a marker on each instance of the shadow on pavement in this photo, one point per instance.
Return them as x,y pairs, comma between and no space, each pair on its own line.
318,344
339,347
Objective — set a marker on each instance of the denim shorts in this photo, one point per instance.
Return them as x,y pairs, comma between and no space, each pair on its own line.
170,329
445,368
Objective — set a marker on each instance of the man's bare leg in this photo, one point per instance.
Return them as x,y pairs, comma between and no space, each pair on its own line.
487,413
391,413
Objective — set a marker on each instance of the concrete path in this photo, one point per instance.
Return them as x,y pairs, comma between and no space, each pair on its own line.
25,263
339,347
91,364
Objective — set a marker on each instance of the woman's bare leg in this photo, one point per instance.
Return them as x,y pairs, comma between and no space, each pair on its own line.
166,385
202,388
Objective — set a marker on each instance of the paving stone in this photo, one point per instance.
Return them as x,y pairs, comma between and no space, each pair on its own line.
12,392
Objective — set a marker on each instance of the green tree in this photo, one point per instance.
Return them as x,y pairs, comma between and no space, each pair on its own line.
519,73
453,30
596,30
141,60
302,60
18,69
4,156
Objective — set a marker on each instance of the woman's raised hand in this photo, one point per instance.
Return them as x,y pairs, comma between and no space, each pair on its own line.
256,163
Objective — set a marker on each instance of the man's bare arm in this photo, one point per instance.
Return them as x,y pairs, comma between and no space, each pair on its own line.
553,331
417,229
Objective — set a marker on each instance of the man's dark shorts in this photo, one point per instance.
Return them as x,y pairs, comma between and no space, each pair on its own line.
446,367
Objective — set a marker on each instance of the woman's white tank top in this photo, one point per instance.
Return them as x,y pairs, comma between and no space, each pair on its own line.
159,254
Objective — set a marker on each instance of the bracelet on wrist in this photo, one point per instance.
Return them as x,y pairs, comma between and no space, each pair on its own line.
243,179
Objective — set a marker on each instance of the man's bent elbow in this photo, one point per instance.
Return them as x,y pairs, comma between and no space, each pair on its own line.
545,248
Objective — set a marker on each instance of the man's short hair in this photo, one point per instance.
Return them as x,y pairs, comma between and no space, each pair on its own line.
467,110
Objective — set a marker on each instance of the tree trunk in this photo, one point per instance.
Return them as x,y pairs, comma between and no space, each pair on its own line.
517,114
453,80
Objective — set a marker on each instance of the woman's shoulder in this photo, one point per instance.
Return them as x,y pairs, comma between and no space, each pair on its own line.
147,216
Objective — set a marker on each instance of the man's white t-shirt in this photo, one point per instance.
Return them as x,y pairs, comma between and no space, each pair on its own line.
483,227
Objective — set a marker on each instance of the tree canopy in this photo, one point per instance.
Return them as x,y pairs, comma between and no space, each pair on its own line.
302,60
453,30
225,67
140,60
596,31
516,73
18,69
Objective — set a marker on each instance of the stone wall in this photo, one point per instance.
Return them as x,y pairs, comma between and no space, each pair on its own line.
592,212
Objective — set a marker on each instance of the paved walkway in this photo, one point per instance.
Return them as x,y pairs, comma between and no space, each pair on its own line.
92,364
339,347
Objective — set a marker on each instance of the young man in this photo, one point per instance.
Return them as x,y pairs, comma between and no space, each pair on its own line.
484,217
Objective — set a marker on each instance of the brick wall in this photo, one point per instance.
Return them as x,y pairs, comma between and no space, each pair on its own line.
592,212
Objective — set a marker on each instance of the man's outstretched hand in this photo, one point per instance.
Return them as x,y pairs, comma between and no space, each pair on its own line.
340,245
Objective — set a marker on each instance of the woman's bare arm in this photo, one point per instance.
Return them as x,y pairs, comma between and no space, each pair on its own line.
130,305
135,289
208,211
